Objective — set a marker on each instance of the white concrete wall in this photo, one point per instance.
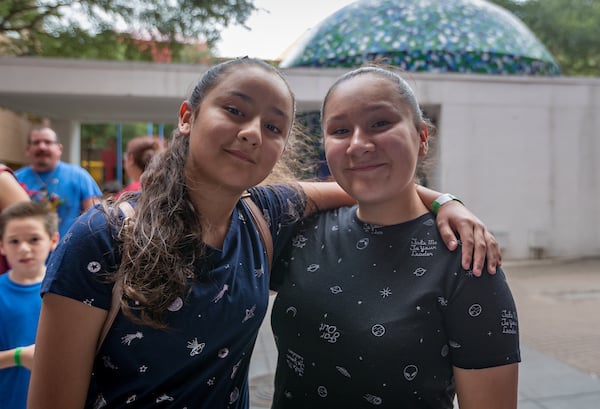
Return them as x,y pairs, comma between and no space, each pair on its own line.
524,155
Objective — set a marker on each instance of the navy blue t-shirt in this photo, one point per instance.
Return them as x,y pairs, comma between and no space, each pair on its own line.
202,359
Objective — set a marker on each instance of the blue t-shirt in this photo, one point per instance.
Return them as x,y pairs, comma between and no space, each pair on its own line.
202,359
63,188
377,316
19,314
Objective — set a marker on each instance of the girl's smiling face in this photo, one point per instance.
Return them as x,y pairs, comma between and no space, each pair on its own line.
240,129
371,141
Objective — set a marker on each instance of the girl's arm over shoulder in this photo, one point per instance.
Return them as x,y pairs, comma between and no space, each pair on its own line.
478,244
490,388
324,196
68,331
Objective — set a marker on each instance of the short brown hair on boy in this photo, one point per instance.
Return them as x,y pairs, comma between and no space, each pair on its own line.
26,210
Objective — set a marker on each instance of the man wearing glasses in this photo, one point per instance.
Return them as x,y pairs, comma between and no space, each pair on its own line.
66,188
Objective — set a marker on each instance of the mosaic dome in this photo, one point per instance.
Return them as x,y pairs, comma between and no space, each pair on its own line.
472,36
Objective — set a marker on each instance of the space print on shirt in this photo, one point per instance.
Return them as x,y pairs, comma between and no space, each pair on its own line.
221,293
94,266
299,241
176,305
195,347
129,338
100,402
249,313
372,229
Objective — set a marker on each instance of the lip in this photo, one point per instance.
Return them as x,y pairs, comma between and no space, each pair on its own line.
240,155
365,167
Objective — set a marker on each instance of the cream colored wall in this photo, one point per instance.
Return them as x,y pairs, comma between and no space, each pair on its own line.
524,155
13,137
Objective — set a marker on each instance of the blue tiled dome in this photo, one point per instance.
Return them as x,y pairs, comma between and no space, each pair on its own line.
425,35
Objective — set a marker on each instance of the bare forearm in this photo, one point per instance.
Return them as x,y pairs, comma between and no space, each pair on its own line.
7,359
427,195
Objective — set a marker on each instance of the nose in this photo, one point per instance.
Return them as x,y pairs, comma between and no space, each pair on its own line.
24,247
360,143
251,132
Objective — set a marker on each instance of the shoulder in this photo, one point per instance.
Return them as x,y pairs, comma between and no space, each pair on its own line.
284,198
93,235
98,220
25,170
7,173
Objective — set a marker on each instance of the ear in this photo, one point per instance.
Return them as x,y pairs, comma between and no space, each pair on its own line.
424,141
185,118
54,241
2,249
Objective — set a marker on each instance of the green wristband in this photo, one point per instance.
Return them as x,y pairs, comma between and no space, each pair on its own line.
17,356
442,200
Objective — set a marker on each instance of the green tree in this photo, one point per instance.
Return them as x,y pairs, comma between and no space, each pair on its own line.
570,29
96,28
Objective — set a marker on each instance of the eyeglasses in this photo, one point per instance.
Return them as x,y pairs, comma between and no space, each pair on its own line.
40,142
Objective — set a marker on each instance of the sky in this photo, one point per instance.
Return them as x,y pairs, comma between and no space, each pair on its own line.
275,26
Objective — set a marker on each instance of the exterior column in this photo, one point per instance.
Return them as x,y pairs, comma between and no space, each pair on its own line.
69,133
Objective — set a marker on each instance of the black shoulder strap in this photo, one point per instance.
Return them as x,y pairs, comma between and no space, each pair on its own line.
261,225
117,291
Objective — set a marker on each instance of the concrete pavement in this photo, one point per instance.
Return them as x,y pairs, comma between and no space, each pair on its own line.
558,302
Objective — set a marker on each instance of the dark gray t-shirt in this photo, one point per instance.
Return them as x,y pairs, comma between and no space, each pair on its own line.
370,316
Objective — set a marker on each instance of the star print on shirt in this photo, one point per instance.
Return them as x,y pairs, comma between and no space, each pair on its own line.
386,292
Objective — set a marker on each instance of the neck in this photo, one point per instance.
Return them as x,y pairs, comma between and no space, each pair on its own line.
390,212
215,208
43,168
135,174
26,278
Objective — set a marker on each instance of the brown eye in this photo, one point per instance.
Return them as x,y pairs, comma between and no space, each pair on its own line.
273,129
234,111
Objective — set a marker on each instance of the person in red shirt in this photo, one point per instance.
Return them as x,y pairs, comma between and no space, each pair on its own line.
140,151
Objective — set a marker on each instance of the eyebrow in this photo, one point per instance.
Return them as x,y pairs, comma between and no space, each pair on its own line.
248,99
369,109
